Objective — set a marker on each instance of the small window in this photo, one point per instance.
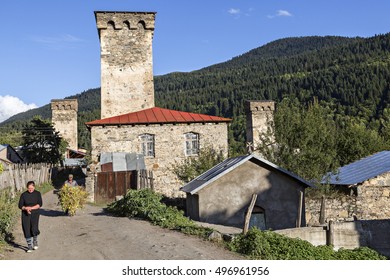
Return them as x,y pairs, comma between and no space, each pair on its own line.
192,144
258,218
147,145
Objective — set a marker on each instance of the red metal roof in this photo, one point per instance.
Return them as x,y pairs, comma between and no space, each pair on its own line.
157,115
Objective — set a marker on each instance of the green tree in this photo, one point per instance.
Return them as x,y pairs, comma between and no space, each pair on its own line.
192,167
302,139
12,138
41,143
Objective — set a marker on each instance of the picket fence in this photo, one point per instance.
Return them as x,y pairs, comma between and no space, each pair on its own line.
16,176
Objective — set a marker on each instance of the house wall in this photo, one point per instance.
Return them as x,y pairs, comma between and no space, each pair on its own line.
169,147
64,117
226,200
126,61
372,202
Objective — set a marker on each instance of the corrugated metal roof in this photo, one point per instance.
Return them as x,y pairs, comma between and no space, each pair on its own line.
157,115
361,170
226,166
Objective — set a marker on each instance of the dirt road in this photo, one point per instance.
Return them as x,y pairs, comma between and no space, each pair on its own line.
93,235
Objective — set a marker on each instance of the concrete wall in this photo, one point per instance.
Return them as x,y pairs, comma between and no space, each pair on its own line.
226,200
64,118
348,235
371,202
126,61
169,147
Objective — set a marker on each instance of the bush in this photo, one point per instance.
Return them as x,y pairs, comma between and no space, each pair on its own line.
72,198
267,245
8,213
146,204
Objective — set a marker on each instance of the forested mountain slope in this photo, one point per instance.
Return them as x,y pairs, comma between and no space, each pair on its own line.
349,75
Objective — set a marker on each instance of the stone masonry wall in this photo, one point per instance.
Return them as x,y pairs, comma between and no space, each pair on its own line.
126,61
169,147
371,203
64,117
258,114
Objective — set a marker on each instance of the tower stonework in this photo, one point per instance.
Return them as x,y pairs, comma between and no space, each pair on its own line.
126,61
64,117
259,114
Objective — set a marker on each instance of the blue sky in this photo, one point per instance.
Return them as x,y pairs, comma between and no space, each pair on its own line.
50,49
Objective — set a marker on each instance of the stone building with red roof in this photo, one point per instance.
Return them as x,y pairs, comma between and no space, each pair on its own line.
130,121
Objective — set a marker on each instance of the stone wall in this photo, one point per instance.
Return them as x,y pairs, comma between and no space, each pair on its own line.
371,202
169,147
126,61
64,117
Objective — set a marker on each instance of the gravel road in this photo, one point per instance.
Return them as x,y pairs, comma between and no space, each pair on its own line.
93,235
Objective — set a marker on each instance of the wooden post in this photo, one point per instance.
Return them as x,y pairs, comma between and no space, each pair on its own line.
330,234
299,218
249,213
322,211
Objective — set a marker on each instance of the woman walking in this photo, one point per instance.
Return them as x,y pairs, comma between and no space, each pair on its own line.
30,201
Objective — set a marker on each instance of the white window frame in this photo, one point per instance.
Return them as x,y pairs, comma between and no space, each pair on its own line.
191,144
147,145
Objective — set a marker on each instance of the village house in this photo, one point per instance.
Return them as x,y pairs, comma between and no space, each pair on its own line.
8,155
130,121
223,194
364,187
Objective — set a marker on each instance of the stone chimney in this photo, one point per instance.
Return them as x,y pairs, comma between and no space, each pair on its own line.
259,115
126,61
64,117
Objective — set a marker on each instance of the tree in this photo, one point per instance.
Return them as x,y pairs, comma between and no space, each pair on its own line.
192,167
302,139
41,143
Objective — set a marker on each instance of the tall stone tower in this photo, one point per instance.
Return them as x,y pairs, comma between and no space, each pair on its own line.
259,114
126,61
64,117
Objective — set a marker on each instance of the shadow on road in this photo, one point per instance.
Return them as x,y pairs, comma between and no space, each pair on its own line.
51,213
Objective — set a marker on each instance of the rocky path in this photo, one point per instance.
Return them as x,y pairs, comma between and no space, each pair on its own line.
93,235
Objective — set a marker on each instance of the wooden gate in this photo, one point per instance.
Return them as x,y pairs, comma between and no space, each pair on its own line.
111,184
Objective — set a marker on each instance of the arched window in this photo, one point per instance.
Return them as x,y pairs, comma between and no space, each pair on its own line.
147,145
192,144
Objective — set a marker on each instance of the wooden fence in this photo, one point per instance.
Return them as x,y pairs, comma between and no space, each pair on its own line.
145,179
110,184
16,176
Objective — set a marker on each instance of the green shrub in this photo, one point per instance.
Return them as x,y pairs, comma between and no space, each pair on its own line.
269,245
146,204
8,213
72,198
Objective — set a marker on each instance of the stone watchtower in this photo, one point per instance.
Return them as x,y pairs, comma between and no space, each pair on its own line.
126,61
64,117
259,114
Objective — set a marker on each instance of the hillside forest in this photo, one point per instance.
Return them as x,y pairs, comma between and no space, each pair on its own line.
332,97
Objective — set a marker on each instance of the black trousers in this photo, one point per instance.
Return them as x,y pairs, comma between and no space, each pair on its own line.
30,224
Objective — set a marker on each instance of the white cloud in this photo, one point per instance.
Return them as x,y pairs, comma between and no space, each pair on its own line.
281,13
57,42
10,105
64,38
233,11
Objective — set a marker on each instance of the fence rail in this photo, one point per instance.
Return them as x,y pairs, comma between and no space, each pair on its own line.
145,179
16,176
